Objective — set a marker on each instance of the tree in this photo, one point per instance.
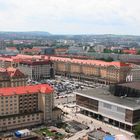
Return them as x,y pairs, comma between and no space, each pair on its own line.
109,59
138,52
107,51
137,130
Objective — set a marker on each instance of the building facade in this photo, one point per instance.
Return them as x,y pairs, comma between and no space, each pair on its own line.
134,74
96,70
25,106
12,77
117,111
37,69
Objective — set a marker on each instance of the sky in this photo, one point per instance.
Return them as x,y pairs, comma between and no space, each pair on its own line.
71,16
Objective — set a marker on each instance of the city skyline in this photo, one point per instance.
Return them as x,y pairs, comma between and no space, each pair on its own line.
71,17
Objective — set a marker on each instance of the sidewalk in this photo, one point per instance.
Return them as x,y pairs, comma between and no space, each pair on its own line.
96,124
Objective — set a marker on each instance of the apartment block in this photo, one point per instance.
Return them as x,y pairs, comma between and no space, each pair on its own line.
95,70
37,69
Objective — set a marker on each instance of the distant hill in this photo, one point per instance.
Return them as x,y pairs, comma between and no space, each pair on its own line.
24,35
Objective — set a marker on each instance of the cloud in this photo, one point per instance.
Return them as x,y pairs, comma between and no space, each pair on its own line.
71,16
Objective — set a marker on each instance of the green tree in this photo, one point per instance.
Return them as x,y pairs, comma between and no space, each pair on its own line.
138,52
107,51
137,130
109,59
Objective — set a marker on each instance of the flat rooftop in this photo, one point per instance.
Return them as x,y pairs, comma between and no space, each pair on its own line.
133,85
104,95
99,135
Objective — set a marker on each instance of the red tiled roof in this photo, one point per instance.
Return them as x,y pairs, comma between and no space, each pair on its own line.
32,50
29,58
90,62
6,59
21,56
42,88
36,62
2,70
13,72
11,48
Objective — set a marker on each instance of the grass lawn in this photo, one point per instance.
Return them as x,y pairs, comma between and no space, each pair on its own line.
54,135
48,133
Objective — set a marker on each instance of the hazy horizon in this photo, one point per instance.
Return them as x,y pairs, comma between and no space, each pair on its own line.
68,34
119,17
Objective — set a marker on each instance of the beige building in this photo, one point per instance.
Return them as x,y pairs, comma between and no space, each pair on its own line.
37,67
96,70
25,106
12,77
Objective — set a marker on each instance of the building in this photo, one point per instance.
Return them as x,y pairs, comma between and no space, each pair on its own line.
99,48
95,70
12,49
134,73
119,111
39,66
12,77
132,51
60,50
31,51
6,62
25,106
75,50
131,89
47,51
37,69
121,57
